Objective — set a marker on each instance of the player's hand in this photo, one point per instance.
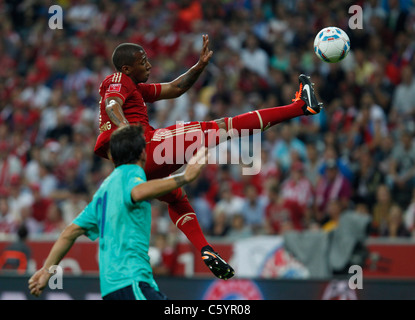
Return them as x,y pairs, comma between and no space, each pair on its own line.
38,282
196,164
205,53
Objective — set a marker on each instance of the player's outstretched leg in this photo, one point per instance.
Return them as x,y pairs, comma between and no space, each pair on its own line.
306,93
304,103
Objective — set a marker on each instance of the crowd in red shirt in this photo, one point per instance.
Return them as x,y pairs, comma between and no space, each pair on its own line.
361,142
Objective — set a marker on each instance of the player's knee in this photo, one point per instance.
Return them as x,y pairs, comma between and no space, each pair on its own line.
173,197
223,126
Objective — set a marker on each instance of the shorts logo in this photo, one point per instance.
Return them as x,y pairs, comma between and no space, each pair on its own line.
114,87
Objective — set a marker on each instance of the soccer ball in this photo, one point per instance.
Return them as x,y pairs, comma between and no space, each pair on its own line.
331,44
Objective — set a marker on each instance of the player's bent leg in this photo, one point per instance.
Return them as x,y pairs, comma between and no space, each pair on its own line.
184,217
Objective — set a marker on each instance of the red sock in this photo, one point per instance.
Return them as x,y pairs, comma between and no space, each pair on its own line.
184,217
264,118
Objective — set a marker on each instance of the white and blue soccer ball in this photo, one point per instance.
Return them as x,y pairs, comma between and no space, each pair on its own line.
331,44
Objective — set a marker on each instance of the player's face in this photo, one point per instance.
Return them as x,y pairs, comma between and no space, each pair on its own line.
140,71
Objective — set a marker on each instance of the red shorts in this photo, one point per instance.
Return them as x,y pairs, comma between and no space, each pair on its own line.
168,149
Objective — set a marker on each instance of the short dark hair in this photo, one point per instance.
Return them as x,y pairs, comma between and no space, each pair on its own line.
124,54
127,144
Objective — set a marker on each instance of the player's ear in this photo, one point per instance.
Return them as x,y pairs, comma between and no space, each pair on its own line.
110,156
126,69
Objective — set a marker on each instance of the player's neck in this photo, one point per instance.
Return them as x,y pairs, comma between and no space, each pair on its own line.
141,163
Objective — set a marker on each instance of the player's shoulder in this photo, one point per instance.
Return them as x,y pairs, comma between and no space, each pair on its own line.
118,77
133,172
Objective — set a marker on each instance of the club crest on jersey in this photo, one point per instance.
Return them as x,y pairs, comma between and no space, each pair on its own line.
114,87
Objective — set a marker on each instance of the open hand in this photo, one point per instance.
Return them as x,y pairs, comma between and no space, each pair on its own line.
196,164
38,282
205,53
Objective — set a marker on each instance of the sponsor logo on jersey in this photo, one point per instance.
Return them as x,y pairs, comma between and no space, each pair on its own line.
114,87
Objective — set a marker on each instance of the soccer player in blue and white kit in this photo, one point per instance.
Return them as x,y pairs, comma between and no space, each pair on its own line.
119,215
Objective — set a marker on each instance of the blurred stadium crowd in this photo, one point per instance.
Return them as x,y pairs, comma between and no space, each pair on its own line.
357,154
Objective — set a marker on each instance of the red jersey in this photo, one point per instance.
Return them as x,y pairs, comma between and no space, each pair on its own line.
134,97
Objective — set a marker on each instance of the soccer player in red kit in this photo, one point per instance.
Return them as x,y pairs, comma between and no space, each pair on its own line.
123,102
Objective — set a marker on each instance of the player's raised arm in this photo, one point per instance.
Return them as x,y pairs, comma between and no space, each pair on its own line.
157,187
185,81
113,107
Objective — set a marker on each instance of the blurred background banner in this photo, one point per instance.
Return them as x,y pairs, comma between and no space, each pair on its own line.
87,288
265,256
255,257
